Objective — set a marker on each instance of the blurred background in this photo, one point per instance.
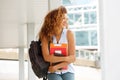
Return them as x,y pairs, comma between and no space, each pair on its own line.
90,20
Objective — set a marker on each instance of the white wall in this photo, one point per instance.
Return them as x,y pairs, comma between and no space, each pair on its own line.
110,39
54,4
12,23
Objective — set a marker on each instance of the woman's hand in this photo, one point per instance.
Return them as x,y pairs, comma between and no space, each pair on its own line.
52,69
70,59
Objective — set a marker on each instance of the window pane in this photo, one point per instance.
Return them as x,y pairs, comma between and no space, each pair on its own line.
75,19
94,38
92,17
71,21
77,53
76,2
78,19
66,2
81,38
82,54
86,18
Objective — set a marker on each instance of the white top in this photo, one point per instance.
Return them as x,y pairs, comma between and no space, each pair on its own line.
63,39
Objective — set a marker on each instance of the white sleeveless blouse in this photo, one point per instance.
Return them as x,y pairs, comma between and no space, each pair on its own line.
63,39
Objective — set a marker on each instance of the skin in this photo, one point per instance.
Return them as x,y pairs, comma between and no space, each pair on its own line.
71,49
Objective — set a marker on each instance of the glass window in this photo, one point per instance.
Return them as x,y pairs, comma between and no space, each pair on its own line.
87,55
82,16
86,18
77,53
93,38
76,2
82,55
66,2
92,17
74,18
71,21
82,38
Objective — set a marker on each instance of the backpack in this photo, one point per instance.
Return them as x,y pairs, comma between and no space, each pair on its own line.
39,65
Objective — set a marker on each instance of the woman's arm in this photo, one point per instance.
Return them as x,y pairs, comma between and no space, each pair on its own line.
58,66
71,50
71,47
47,56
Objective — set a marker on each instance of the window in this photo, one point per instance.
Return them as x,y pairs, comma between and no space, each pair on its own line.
81,38
82,16
83,21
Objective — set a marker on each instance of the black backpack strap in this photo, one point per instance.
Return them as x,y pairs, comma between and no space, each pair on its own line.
45,78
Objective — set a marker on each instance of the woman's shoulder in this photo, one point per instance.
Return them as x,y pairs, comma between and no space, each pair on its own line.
70,34
67,30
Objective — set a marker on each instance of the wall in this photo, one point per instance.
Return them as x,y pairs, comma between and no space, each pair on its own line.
12,23
110,40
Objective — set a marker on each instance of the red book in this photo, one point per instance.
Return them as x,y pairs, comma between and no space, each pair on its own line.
59,50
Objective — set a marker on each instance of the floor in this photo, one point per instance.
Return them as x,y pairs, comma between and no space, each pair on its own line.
9,70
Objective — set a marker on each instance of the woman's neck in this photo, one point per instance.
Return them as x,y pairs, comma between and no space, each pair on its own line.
59,32
58,35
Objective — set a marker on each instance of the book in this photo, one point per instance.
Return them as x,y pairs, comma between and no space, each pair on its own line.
59,50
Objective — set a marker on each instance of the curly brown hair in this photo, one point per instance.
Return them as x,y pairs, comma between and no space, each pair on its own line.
52,23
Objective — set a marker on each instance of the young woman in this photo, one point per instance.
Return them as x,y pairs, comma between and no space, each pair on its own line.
54,30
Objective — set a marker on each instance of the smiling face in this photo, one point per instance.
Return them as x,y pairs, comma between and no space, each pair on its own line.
65,21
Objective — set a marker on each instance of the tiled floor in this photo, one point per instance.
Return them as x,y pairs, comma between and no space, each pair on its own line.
9,70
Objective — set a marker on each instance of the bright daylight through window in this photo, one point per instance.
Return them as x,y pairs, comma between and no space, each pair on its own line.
83,21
